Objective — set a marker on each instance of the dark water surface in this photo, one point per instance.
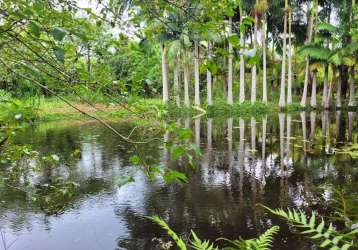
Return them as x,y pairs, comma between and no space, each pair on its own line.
279,161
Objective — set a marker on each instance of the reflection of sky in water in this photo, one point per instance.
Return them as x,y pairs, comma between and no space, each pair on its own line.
219,199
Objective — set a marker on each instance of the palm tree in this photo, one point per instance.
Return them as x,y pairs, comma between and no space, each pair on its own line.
282,103
164,73
289,55
264,71
229,81
254,67
242,62
196,73
209,78
309,39
176,79
186,79
314,89
352,97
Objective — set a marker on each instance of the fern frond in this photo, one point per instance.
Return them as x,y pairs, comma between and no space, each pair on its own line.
263,242
198,244
178,240
317,230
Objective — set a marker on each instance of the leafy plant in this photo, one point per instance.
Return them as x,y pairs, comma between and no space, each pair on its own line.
328,237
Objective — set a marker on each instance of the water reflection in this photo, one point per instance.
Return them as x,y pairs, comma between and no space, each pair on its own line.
276,160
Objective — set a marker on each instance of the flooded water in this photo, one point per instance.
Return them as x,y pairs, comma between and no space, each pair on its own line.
279,160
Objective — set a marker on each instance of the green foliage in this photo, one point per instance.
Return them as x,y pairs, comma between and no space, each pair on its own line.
177,239
309,225
263,242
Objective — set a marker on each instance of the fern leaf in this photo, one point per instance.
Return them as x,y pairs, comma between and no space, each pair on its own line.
178,240
198,244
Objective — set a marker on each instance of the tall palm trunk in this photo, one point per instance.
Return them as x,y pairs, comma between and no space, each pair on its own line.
176,80
209,78
339,90
242,62
289,73
196,73
283,65
254,68
164,73
314,90
352,95
264,74
330,88
307,70
229,77
186,82
325,85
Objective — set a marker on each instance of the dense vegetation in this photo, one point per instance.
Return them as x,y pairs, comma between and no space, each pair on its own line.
208,57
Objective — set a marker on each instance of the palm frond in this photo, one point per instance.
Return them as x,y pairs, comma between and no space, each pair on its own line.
315,52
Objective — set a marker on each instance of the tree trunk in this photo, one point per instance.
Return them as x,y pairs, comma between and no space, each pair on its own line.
330,88
242,63
164,73
339,90
314,90
186,83
352,95
289,73
196,73
254,69
176,80
264,70
282,103
229,77
307,70
209,78
325,85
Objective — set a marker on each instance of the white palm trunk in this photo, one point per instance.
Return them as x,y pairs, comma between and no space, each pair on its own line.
325,86
289,73
254,68
330,88
186,83
176,80
307,70
264,71
314,90
352,95
196,74
209,78
242,64
282,102
164,74
229,77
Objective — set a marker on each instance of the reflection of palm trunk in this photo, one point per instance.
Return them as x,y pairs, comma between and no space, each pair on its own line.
197,131
253,135
281,117
264,125
165,149
338,127
351,116
304,131
313,128
209,135
241,160
288,147
229,139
